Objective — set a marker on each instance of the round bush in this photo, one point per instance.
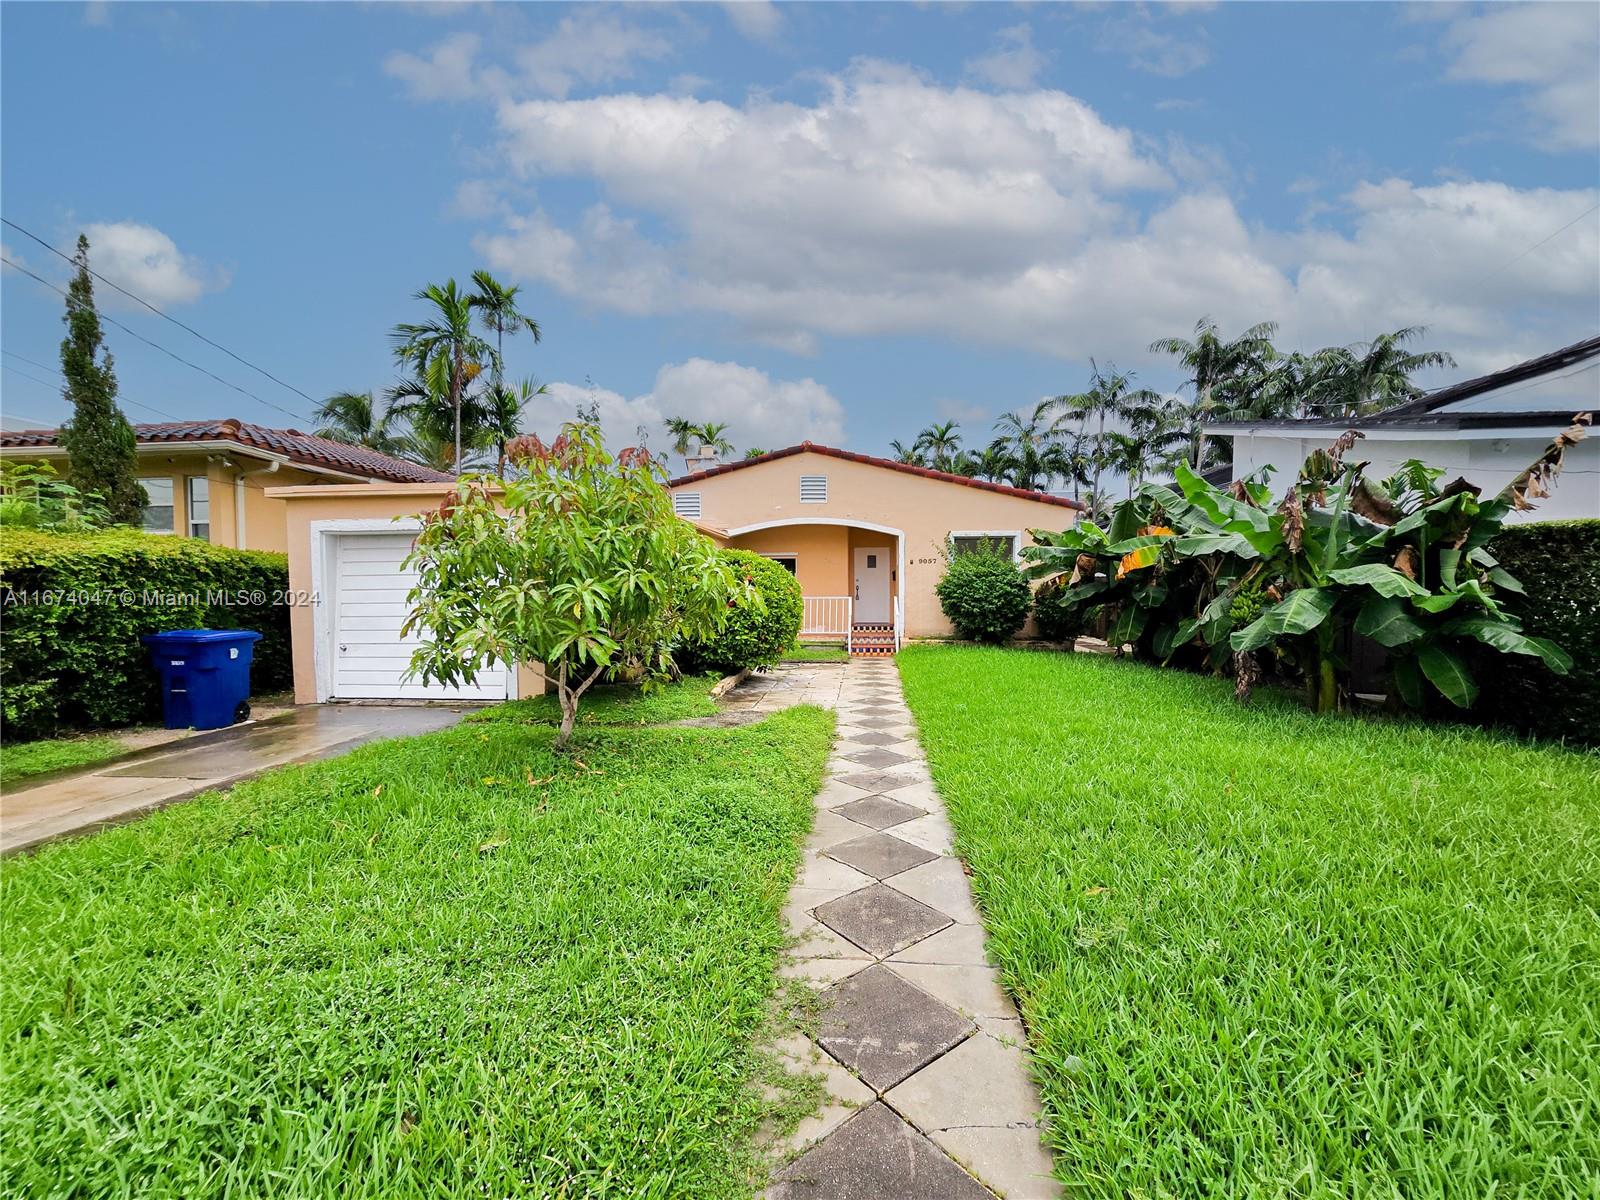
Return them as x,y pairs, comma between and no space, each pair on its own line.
756,635
985,597
1058,617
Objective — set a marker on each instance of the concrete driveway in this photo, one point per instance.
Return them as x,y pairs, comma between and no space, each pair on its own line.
39,812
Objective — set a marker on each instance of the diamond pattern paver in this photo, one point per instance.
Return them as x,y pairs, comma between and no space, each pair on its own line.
879,812
880,854
931,1030
881,920
883,1028
875,1156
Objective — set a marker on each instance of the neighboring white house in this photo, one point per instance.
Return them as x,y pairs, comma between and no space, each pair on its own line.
1486,429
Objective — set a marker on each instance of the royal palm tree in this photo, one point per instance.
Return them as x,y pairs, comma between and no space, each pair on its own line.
497,308
358,419
683,433
939,443
444,351
502,415
754,452
1221,374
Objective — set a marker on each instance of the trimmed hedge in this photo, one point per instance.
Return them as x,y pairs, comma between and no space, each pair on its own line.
985,596
75,606
1558,563
755,635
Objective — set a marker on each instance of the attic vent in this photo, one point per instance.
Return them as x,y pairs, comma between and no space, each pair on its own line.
686,504
813,489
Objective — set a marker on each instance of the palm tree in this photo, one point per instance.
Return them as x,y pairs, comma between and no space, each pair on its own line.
1379,372
939,443
1111,394
713,435
357,419
444,351
1221,373
910,455
502,415
497,305
1028,442
754,452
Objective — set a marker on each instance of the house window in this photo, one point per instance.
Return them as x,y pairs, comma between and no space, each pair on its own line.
813,489
199,507
158,514
786,561
983,543
686,504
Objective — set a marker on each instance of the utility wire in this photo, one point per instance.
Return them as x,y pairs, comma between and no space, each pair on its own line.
46,383
163,315
156,345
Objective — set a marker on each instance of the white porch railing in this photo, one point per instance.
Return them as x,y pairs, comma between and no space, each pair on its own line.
827,616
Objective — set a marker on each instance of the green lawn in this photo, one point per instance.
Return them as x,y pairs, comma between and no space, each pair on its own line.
1262,953
614,705
451,965
22,759
816,652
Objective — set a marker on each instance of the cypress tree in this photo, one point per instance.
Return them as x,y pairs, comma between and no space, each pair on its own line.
101,448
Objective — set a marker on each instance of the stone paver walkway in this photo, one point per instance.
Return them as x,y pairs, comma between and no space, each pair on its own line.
921,1051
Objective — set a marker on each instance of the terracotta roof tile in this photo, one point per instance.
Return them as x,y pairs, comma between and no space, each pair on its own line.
304,448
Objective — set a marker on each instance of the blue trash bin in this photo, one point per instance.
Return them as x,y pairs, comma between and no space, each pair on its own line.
205,675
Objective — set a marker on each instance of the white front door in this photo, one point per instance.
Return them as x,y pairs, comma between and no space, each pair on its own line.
872,585
369,607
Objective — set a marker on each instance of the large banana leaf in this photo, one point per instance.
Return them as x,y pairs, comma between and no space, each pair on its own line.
1128,625
1407,680
1300,611
1221,508
1171,638
1194,545
1448,673
1511,641
1386,581
1468,590
1387,621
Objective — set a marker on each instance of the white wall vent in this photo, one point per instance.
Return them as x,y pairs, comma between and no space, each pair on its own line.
813,489
686,504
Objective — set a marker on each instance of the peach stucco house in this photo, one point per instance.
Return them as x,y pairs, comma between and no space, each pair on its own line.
866,537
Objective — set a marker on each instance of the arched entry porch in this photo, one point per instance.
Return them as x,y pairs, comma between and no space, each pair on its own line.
851,575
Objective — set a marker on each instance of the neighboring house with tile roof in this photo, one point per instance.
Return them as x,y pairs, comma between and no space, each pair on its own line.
1486,429
868,538
208,479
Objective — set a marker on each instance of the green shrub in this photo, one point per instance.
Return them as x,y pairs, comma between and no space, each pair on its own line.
1558,564
75,606
756,635
1056,614
985,596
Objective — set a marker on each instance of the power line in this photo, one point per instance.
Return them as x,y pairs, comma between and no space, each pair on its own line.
46,383
164,316
156,345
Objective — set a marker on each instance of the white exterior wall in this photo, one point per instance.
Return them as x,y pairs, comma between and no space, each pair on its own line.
1489,459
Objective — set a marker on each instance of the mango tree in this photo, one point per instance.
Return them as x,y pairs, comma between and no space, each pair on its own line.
574,560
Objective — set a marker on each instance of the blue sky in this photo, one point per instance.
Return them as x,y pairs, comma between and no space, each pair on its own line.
835,221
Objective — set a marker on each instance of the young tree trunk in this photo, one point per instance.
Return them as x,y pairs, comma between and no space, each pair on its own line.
569,714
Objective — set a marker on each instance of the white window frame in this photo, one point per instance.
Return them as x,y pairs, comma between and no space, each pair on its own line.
172,483
1014,534
680,504
813,480
787,556
189,522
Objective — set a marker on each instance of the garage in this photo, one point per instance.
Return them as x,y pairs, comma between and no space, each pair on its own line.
365,654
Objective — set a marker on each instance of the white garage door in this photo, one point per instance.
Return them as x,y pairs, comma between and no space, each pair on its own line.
369,655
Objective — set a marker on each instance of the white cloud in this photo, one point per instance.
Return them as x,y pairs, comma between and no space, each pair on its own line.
760,411
1013,62
1151,44
148,263
1552,50
449,72
892,205
586,47
757,19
